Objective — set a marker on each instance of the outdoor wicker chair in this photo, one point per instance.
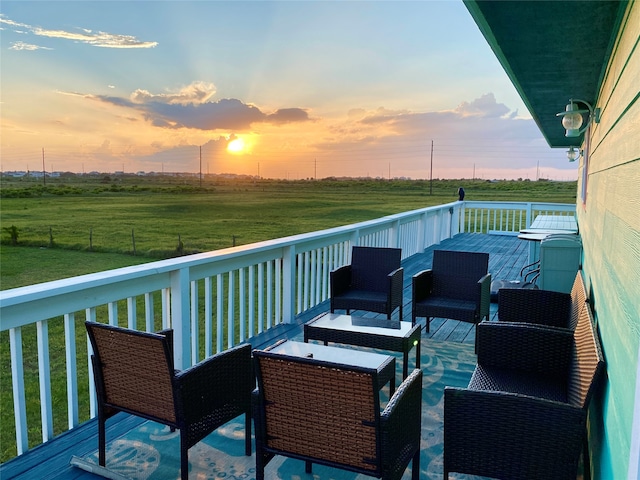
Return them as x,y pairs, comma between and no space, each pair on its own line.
524,412
134,373
372,282
458,286
543,307
327,413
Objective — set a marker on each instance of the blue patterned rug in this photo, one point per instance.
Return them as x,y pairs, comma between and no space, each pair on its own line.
152,452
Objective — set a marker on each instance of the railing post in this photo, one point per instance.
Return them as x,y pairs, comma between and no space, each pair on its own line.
353,242
394,234
44,374
181,318
422,228
529,215
289,283
19,400
455,220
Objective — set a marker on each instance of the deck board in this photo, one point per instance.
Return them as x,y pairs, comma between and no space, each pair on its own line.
507,256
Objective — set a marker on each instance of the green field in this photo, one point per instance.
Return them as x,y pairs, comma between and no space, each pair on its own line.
138,219
75,226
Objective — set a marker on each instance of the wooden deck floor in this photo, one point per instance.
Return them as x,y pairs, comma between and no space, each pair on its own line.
507,256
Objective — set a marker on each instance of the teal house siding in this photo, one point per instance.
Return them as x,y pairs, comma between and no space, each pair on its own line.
609,218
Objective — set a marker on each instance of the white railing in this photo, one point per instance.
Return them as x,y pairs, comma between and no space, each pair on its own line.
507,217
212,300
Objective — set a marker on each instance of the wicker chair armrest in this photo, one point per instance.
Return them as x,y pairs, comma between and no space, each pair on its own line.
525,347
511,436
484,292
396,280
422,285
224,378
400,422
396,276
340,280
256,413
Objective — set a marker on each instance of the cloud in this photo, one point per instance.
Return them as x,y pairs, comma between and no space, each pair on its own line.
26,46
485,106
196,93
288,115
478,132
191,107
81,35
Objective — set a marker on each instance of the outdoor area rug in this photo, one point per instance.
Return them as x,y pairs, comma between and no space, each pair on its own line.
152,451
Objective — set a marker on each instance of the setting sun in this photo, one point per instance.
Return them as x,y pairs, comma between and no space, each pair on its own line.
236,146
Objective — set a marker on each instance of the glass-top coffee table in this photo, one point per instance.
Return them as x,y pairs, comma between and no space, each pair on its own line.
366,332
384,364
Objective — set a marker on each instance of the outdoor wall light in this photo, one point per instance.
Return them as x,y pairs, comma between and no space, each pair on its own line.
573,154
572,117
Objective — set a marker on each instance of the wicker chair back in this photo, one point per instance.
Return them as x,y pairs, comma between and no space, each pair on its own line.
320,412
587,361
578,299
456,274
135,371
370,267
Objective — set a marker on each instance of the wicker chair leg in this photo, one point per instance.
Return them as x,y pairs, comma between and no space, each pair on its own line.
102,442
428,321
247,433
415,466
184,456
307,466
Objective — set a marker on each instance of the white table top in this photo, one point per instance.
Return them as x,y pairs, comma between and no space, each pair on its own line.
554,224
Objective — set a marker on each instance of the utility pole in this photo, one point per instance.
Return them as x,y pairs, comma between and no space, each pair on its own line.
431,172
44,172
315,168
200,166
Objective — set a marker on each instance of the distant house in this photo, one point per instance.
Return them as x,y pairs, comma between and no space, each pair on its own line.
554,52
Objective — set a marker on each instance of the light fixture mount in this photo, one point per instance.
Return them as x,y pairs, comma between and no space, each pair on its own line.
572,117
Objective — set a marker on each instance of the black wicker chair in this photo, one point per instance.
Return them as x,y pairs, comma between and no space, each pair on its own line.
543,307
524,412
372,282
457,286
327,413
134,373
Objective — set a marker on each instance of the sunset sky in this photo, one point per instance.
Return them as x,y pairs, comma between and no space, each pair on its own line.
296,89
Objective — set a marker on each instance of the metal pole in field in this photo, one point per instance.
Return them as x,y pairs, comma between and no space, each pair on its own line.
431,172
44,172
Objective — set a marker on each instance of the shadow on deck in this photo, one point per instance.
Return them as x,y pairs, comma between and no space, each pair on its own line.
507,256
